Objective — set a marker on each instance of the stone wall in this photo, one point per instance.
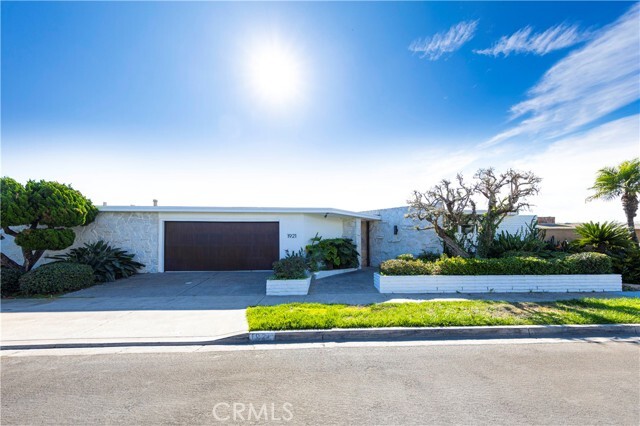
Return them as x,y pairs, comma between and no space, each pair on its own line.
351,228
134,232
384,244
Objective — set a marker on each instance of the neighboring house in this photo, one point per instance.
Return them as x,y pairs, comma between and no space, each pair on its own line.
248,238
563,231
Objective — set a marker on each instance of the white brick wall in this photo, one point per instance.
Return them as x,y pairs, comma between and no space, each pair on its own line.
496,283
288,287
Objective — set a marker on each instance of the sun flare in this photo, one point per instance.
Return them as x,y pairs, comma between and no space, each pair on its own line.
275,75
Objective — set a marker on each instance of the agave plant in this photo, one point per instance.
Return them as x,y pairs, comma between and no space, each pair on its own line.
605,237
108,263
529,239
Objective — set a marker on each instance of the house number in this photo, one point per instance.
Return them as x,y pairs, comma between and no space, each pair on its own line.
292,235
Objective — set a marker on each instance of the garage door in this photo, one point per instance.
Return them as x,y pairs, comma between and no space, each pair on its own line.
220,246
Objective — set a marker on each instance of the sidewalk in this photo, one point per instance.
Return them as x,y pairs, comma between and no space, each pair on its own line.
181,319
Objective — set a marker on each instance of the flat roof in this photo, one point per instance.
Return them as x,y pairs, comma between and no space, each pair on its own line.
281,210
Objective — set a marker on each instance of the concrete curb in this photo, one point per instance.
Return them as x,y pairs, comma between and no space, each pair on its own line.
444,333
364,335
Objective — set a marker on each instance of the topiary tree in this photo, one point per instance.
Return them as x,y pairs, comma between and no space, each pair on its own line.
44,212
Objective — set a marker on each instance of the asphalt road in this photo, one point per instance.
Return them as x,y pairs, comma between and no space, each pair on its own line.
568,383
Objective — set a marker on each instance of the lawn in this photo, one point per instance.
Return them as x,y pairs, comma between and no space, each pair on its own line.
303,316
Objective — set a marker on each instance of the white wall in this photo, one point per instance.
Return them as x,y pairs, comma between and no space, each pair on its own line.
143,233
296,229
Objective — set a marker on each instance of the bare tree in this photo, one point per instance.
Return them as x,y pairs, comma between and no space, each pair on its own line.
506,193
445,207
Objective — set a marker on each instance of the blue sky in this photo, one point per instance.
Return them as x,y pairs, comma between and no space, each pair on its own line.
134,101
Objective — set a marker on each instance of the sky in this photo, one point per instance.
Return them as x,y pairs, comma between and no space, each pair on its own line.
343,105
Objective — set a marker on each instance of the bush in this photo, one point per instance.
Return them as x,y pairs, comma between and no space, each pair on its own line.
588,263
529,239
429,256
629,266
56,278
45,239
605,237
406,267
9,283
582,263
292,267
406,256
108,263
332,253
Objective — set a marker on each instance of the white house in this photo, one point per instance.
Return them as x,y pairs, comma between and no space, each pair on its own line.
248,238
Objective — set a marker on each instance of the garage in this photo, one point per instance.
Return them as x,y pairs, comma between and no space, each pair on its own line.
220,246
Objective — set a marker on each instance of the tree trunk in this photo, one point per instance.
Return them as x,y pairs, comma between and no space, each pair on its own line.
7,262
31,258
630,206
451,243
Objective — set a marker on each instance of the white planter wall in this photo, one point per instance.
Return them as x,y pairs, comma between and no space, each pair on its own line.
288,287
496,283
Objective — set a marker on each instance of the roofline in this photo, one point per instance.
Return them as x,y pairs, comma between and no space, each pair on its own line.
282,210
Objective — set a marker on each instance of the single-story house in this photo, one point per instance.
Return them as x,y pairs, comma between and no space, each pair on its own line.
249,238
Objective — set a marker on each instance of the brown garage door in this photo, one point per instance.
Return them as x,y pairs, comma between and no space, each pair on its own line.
220,246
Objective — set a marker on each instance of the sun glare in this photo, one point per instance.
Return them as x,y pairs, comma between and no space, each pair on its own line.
275,75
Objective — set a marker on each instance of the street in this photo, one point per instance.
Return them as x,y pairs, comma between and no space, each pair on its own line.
543,383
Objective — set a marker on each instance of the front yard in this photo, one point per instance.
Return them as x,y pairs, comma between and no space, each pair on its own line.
301,316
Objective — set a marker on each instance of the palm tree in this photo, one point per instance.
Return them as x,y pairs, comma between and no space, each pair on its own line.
624,182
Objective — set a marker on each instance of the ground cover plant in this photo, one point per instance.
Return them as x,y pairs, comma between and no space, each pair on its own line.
301,316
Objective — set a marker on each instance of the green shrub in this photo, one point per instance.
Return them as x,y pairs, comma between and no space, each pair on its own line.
334,253
406,256
429,256
9,283
629,266
108,263
582,263
605,237
588,263
529,239
45,239
501,266
292,267
406,267
56,278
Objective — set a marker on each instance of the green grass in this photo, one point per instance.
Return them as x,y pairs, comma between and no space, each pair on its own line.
303,316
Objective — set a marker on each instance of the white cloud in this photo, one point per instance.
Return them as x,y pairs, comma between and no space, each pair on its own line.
523,41
437,45
588,84
568,168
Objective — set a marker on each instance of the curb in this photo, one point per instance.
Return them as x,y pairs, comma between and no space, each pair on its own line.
444,333
369,334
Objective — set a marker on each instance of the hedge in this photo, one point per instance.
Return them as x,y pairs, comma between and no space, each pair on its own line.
9,283
581,263
56,278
